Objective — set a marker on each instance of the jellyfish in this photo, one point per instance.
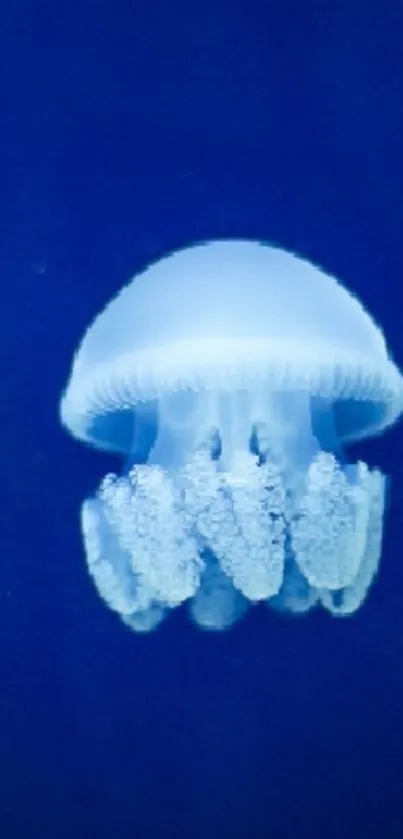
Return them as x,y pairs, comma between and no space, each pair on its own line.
230,377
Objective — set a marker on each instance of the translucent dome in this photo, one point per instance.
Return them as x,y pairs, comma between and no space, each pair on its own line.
228,314
254,368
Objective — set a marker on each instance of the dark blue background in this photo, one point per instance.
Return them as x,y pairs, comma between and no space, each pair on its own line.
129,128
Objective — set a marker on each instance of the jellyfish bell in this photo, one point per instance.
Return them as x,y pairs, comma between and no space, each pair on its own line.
230,376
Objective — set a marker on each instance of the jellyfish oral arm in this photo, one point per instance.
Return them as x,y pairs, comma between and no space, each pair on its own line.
276,519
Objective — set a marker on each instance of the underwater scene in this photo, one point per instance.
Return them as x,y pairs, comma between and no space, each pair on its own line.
202,402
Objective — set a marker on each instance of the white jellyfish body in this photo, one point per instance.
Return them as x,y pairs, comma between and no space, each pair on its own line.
229,375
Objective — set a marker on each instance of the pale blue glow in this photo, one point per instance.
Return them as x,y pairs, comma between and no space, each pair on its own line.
230,376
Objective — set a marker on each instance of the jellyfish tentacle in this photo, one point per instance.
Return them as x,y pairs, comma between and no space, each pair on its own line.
239,516
217,604
110,568
351,598
145,514
257,497
329,533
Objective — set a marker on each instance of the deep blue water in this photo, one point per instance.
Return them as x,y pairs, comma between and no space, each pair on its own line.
126,129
